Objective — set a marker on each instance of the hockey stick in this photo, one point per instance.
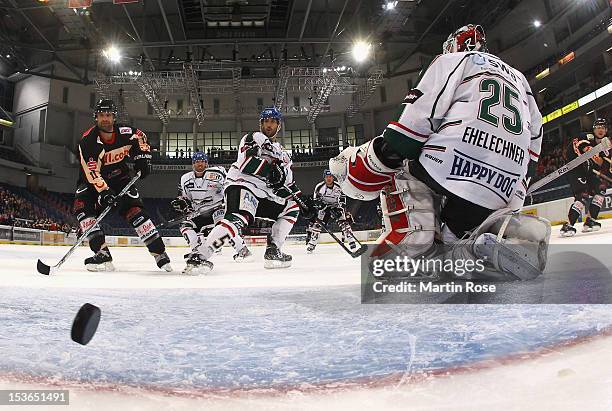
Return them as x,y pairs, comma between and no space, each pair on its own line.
603,146
601,175
46,270
362,248
186,216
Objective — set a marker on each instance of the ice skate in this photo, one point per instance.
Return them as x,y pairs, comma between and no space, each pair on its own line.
163,262
567,230
244,255
590,224
101,261
197,265
274,258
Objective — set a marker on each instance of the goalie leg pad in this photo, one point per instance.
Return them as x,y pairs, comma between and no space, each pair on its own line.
515,247
410,216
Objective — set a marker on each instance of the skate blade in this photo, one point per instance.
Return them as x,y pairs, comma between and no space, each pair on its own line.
568,234
167,267
100,267
191,270
244,260
273,264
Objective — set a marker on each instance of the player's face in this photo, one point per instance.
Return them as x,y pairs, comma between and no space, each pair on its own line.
105,121
600,132
199,166
329,180
269,127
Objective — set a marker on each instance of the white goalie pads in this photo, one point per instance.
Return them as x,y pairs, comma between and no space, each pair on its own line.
513,246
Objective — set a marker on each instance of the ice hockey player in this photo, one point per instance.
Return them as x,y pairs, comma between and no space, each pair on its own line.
585,183
103,151
200,194
332,204
466,135
259,184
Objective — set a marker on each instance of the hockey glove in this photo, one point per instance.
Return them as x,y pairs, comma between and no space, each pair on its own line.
107,198
276,176
309,208
181,205
360,171
142,163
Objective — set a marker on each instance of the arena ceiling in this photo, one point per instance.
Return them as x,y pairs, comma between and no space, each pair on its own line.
259,36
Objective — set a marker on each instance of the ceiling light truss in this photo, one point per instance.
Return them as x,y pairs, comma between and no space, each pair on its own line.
191,86
365,91
325,85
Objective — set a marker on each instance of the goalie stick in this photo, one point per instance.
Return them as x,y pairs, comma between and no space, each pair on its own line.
46,270
362,248
603,146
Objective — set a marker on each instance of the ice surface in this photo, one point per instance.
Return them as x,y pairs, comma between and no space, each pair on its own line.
298,338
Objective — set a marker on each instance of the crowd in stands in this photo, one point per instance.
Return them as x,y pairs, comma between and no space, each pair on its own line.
18,212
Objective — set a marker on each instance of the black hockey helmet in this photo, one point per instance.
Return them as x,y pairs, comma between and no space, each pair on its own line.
105,105
600,122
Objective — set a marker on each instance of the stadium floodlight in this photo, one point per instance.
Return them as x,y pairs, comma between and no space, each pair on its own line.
112,54
361,51
537,23
390,5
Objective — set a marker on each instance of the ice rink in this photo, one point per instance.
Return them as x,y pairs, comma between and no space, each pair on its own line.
297,338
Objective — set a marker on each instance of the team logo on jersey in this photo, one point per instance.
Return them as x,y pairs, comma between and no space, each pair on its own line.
493,178
413,96
125,130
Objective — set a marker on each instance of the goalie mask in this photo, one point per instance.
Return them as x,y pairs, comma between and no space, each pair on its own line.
468,38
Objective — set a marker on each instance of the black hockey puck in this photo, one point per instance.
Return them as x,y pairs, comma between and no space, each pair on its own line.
85,324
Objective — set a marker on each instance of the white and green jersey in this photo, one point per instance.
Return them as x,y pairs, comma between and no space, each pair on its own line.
473,124
204,192
255,155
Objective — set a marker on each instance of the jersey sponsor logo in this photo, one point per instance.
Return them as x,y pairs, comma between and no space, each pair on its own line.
472,170
413,96
248,202
87,223
213,177
501,66
146,230
125,130
116,155
92,165
498,145
436,159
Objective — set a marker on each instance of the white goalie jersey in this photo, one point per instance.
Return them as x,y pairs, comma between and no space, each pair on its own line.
206,192
474,125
